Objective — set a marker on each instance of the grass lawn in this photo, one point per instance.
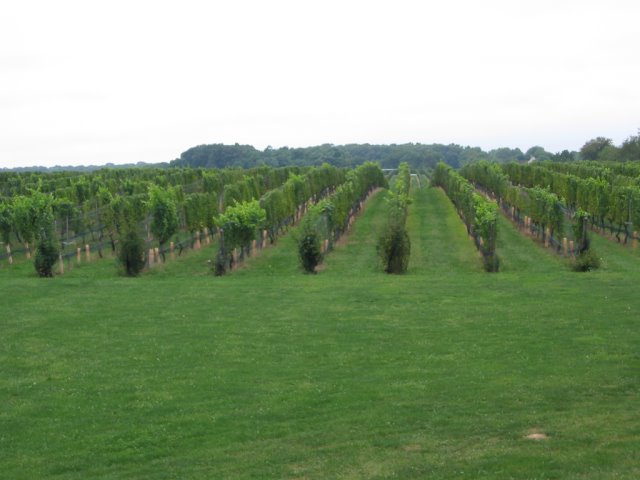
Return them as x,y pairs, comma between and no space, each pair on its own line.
269,373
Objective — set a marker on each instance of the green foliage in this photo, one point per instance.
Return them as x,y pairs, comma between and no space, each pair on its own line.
543,206
328,219
131,253
281,204
479,214
309,250
6,221
26,218
538,153
605,191
164,213
198,209
418,156
630,149
241,223
47,251
504,155
586,261
394,248
394,245
220,263
34,221
581,235
593,148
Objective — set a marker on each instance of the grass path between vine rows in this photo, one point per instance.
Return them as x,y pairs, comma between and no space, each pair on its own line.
519,253
439,241
356,253
615,257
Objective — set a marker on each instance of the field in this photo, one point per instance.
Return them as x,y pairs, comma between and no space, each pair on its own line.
351,373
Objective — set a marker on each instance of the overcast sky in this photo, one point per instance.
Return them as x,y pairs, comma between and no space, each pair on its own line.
85,82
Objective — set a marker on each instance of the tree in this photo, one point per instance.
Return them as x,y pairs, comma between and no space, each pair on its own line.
630,149
539,153
591,150
505,155
564,156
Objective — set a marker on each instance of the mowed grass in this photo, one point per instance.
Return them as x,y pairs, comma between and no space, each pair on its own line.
350,373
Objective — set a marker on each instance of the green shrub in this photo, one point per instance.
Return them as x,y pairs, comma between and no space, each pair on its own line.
394,248
220,264
586,261
131,254
46,255
309,250
491,262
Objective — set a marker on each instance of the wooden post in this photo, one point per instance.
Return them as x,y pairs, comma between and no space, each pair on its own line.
172,250
156,255
546,237
87,252
28,251
571,246
78,255
9,254
196,245
326,245
565,246
61,263
150,258
254,246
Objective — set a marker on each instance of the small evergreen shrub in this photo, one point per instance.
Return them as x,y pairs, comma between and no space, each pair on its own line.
394,248
46,256
309,251
491,262
131,254
220,264
586,261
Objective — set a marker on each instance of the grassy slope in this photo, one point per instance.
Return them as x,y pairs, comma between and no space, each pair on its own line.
350,373
519,253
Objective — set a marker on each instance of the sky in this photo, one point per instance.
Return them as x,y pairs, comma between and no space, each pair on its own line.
89,83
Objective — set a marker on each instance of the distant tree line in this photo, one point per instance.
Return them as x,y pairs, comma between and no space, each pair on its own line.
417,155
602,149
83,168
